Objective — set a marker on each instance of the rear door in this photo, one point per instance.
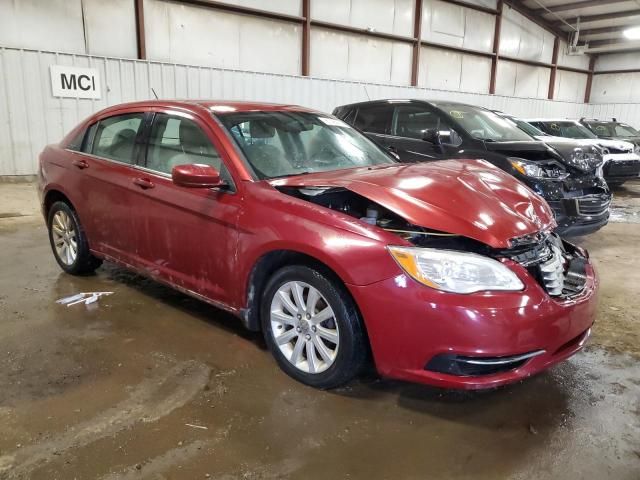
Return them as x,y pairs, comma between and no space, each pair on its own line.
106,167
189,235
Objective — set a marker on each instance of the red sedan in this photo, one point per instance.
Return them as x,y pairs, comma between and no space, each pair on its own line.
444,273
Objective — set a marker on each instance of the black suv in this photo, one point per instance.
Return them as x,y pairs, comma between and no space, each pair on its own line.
568,177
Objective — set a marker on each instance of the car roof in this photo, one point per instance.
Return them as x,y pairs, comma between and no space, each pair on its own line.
212,105
434,103
550,120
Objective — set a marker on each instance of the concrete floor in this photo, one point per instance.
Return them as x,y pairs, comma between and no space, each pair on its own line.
152,384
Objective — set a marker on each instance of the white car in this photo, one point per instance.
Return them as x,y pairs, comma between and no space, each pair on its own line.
621,159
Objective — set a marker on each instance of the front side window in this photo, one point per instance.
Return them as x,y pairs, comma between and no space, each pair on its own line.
413,121
483,124
374,118
568,129
179,141
115,137
280,144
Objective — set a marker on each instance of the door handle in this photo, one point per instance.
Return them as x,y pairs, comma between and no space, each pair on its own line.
81,164
144,183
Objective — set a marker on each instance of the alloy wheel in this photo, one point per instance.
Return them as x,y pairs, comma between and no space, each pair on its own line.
304,327
65,239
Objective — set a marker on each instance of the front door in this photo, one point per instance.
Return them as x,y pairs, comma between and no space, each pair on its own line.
190,236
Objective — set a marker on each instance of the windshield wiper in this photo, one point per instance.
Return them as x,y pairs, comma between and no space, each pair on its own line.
292,174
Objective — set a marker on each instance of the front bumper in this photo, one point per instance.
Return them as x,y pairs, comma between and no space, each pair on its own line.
620,168
409,325
581,215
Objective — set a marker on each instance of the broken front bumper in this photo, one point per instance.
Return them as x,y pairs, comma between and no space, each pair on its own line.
410,326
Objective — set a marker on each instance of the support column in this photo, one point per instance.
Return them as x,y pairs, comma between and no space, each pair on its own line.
496,48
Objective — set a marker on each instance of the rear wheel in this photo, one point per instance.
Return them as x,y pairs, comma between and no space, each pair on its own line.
312,327
69,242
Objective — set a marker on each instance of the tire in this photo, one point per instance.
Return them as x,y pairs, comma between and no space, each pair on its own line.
65,229
342,361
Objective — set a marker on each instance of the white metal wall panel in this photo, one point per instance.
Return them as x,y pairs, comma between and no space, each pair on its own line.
570,86
447,70
625,112
30,117
110,28
613,87
388,16
521,38
575,61
617,61
51,24
189,34
355,57
457,26
290,7
519,80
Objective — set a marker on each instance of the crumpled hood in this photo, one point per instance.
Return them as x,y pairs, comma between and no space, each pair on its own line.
471,198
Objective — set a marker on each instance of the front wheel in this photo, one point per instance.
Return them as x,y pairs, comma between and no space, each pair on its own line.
312,327
69,242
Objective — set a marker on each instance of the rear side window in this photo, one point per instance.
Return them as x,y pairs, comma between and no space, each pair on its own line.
179,141
115,137
76,143
374,118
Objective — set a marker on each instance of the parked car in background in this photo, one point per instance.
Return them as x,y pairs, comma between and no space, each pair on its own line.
447,272
614,130
621,162
418,131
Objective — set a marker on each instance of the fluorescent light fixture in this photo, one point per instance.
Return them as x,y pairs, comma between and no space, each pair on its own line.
632,33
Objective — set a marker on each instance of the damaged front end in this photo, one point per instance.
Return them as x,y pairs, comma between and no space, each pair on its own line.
558,266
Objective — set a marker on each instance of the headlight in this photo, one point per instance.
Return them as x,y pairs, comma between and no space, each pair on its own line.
534,170
636,149
585,160
452,271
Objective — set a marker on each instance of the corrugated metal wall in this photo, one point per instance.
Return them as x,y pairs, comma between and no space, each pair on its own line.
30,117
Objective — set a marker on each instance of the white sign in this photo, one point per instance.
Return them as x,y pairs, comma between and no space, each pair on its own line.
75,82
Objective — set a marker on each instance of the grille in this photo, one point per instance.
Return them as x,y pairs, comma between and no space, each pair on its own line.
593,205
557,265
552,272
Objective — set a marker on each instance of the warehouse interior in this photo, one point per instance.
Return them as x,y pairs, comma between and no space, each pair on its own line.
149,381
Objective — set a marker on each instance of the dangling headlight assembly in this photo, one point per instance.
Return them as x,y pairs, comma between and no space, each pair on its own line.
537,170
452,271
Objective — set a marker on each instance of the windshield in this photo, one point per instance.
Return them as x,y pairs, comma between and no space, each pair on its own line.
483,124
613,129
568,129
280,144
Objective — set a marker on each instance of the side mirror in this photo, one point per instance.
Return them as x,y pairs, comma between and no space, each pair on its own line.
196,176
432,135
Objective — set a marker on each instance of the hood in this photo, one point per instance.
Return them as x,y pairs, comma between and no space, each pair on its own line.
583,156
626,147
471,198
635,140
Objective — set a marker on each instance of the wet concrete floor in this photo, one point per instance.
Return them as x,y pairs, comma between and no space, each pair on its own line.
150,384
